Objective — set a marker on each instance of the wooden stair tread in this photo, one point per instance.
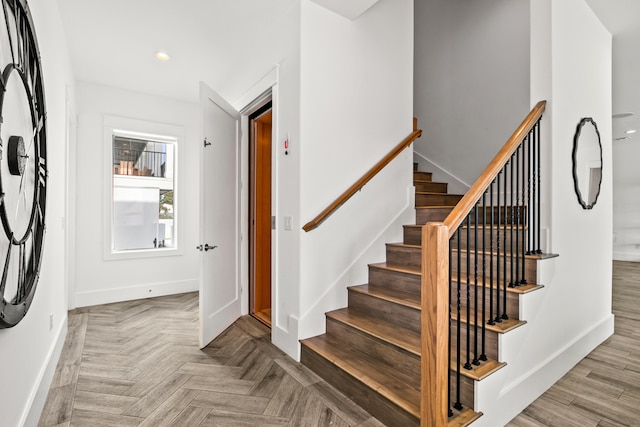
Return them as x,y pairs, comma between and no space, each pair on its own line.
477,373
381,329
403,245
464,418
500,327
495,226
440,194
389,294
385,266
376,375
501,254
522,289
424,181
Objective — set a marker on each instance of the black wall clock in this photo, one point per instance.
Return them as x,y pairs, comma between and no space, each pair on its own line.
23,161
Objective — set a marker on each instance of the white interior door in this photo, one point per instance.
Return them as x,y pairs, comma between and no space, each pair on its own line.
220,302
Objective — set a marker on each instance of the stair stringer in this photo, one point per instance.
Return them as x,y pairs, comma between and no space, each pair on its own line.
531,369
313,321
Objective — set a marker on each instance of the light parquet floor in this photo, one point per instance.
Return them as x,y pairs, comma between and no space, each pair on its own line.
603,389
137,363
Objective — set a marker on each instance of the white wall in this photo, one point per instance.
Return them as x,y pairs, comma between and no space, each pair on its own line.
626,201
30,350
471,82
356,104
100,281
571,315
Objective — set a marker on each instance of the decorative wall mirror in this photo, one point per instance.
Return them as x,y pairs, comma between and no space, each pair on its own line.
587,162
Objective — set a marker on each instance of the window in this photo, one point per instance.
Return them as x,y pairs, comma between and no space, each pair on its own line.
142,189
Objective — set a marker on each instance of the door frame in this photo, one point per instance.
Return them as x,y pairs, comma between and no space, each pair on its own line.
265,107
255,98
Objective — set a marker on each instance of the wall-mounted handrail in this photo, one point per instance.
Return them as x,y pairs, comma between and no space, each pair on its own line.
364,179
464,206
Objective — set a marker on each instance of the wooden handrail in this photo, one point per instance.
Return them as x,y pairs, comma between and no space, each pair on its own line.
364,179
464,206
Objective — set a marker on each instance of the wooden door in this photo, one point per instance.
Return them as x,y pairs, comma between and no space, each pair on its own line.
260,214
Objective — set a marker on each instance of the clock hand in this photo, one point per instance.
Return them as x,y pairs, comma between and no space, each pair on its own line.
21,192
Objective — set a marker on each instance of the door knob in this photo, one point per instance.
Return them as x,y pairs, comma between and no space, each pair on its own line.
206,247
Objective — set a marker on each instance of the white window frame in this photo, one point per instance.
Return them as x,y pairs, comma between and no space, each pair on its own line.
140,129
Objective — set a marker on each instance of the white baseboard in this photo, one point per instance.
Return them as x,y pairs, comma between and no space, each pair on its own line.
626,256
514,396
39,394
287,339
106,296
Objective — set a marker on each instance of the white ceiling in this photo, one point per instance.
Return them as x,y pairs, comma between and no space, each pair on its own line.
113,43
621,19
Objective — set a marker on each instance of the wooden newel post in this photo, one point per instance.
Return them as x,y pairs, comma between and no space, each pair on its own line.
435,325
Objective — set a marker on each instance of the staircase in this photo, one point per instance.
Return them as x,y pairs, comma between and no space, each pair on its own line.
371,349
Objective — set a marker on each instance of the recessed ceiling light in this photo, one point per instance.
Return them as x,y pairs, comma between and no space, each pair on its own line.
622,115
162,56
630,131
622,137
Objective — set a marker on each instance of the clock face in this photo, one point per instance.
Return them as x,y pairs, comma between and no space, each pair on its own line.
23,161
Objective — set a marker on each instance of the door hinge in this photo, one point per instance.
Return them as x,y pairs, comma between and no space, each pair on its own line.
206,143
273,222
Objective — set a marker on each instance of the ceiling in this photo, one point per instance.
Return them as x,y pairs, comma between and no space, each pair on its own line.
113,43
621,19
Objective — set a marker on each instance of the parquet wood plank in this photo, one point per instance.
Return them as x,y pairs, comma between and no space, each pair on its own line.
312,411
231,402
191,416
165,414
58,407
104,385
146,405
102,402
284,401
234,419
82,417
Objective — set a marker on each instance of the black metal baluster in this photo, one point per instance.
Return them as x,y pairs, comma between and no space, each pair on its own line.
491,212
516,282
504,251
450,327
534,191
512,277
498,318
524,208
537,126
529,183
458,405
467,364
475,287
483,355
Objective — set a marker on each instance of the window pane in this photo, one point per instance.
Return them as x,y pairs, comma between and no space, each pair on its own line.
143,194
